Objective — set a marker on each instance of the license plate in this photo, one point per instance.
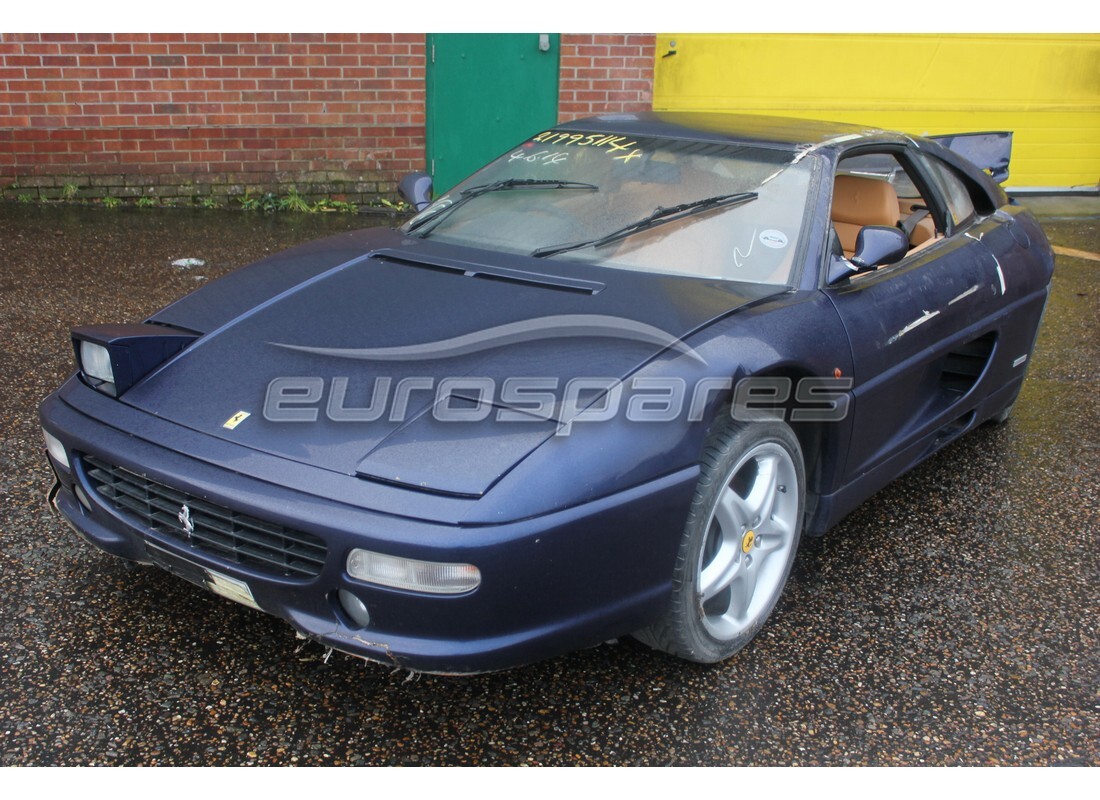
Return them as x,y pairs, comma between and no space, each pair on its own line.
223,585
231,588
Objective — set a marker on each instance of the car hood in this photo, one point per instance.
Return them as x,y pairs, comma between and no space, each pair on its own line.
325,326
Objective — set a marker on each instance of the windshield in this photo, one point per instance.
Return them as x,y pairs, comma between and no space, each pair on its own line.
657,205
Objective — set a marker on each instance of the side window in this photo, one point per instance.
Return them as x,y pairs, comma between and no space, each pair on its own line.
959,203
874,189
884,167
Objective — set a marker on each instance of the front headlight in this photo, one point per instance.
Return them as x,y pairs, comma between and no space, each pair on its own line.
95,363
112,358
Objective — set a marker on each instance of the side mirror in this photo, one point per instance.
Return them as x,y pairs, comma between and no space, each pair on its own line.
839,269
878,245
416,189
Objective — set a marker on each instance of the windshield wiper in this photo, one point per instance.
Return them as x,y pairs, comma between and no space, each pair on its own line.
497,186
659,217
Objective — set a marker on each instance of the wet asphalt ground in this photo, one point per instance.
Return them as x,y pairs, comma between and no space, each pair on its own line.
951,620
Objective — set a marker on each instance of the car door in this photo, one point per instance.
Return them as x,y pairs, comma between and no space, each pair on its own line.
922,332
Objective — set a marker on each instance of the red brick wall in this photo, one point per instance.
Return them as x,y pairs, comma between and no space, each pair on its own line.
182,115
601,73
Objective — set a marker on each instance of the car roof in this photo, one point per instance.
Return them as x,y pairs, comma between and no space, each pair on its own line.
717,126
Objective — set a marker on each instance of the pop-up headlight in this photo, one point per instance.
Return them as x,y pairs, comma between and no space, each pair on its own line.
113,358
95,362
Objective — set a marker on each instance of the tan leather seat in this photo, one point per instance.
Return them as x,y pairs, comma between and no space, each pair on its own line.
858,202
925,229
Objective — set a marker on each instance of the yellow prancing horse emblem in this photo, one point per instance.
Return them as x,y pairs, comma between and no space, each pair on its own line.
236,420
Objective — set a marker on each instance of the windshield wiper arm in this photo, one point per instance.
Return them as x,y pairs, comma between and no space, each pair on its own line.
497,186
659,217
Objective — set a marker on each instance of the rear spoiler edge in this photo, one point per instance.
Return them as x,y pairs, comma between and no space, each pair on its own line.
989,151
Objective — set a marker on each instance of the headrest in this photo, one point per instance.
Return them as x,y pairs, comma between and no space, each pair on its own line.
864,201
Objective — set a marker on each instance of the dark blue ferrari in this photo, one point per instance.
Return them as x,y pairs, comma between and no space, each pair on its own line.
600,388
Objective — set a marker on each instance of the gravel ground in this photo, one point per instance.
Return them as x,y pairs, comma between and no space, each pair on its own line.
950,620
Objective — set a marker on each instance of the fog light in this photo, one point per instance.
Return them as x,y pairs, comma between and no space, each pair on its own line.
416,576
354,608
56,449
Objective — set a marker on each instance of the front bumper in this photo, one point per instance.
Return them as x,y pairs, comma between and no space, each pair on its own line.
550,584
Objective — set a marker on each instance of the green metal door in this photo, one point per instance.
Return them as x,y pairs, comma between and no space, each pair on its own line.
486,92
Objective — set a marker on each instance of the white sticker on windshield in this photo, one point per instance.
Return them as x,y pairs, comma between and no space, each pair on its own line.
773,238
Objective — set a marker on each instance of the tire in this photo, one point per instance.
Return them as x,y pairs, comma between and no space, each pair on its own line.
738,545
1002,416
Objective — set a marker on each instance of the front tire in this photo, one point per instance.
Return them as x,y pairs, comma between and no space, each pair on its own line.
1002,416
738,545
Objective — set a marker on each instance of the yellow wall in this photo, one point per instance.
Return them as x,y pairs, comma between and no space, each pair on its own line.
1044,88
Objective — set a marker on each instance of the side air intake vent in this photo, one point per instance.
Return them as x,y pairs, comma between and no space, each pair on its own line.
965,364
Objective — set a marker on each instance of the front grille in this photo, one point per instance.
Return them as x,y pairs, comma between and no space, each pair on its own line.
219,531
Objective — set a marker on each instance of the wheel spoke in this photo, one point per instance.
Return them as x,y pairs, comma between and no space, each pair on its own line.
732,512
722,570
771,536
741,591
761,500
